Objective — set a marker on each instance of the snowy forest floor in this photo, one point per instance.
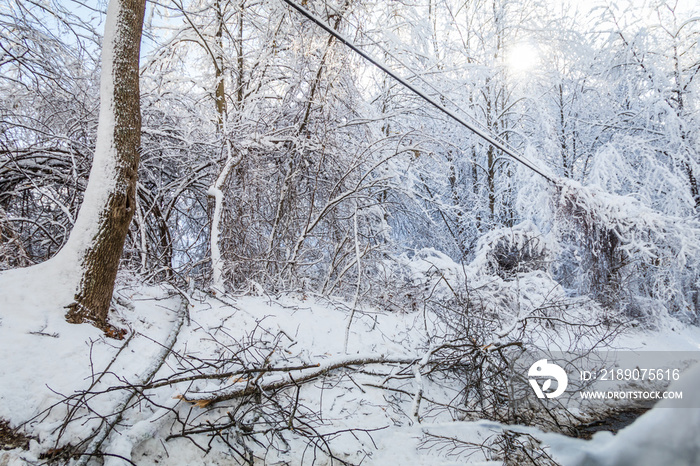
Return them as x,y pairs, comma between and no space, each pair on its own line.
65,386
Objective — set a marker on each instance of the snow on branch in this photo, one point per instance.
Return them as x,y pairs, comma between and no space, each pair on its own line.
640,230
244,386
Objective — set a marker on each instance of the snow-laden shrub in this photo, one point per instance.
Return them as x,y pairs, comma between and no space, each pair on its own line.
615,247
429,262
404,282
488,330
506,250
484,320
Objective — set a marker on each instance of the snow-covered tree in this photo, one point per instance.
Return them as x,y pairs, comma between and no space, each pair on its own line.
97,238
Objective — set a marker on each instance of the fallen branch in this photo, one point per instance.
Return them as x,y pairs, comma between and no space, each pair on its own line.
307,374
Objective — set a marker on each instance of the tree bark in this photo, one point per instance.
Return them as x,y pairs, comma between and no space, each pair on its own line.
103,221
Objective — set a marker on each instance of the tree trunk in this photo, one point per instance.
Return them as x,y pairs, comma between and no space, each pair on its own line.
220,95
100,230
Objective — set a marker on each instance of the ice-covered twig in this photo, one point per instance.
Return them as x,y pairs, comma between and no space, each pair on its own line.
419,382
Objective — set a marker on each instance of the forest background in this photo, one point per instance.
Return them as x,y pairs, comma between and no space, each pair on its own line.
275,161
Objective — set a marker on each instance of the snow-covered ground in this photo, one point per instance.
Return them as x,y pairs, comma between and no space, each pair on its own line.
45,360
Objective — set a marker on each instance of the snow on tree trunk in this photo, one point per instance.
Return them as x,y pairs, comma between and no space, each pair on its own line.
97,238
215,191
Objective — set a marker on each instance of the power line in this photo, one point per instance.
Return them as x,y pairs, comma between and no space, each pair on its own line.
442,96
478,131
416,75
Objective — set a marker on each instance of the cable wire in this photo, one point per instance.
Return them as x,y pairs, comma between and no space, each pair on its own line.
478,131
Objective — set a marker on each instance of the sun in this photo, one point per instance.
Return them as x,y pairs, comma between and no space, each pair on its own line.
522,58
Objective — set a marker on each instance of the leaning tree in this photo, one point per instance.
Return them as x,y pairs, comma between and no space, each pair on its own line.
97,239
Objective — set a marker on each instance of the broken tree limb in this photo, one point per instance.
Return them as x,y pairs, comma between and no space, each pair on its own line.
286,380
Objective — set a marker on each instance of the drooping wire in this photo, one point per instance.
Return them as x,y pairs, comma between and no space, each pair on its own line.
416,75
442,96
476,130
